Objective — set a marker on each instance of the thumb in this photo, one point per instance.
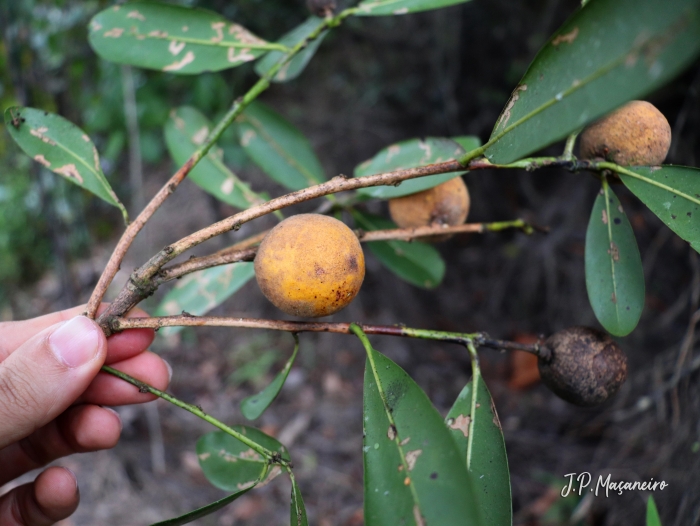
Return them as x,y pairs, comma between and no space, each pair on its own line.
43,376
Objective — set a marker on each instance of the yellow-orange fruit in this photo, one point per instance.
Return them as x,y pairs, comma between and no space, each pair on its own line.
310,265
635,134
445,204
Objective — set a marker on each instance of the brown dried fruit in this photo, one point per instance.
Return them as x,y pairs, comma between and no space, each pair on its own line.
586,366
445,204
310,265
635,134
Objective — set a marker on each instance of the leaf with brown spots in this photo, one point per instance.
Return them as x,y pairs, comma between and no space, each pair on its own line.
173,38
480,442
614,272
62,147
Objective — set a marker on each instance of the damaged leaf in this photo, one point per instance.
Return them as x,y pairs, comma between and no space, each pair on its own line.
672,193
416,262
294,67
297,511
482,448
410,154
609,52
62,147
414,473
199,292
254,406
230,464
185,132
401,7
614,272
172,38
278,147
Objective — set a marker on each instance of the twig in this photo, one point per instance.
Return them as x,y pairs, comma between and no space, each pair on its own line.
239,252
119,324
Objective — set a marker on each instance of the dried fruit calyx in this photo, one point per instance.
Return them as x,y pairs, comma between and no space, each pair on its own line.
585,367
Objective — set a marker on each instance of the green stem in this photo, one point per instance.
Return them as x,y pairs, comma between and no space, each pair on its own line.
145,388
569,146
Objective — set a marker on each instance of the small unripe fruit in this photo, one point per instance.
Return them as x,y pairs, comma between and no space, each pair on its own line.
310,265
586,366
322,8
445,204
635,134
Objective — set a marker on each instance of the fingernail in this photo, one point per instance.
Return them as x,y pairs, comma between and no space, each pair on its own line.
170,370
76,342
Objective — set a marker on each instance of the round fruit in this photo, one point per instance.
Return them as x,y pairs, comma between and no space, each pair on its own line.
635,134
445,204
310,265
586,366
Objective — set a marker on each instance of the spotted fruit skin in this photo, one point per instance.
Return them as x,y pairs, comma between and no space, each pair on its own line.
310,265
586,366
635,134
445,204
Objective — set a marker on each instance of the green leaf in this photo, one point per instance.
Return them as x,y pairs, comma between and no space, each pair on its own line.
409,154
254,406
199,292
414,473
614,273
294,67
418,263
297,510
653,518
231,465
185,132
672,193
62,147
483,450
609,52
204,510
172,38
468,142
401,7
278,147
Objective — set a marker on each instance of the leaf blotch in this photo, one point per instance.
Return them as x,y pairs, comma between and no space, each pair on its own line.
566,37
461,423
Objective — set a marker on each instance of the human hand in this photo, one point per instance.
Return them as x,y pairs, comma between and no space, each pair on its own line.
51,393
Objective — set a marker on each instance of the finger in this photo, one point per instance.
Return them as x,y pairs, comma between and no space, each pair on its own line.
80,429
107,389
121,345
52,497
46,374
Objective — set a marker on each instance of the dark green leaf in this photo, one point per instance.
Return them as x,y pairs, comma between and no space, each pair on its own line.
672,193
614,273
254,406
62,147
203,511
609,52
200,292
418,263
297,510
278,147
172,38
482,448
653,518
294,67
185,132
401,7
230,464
409,154
414,474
